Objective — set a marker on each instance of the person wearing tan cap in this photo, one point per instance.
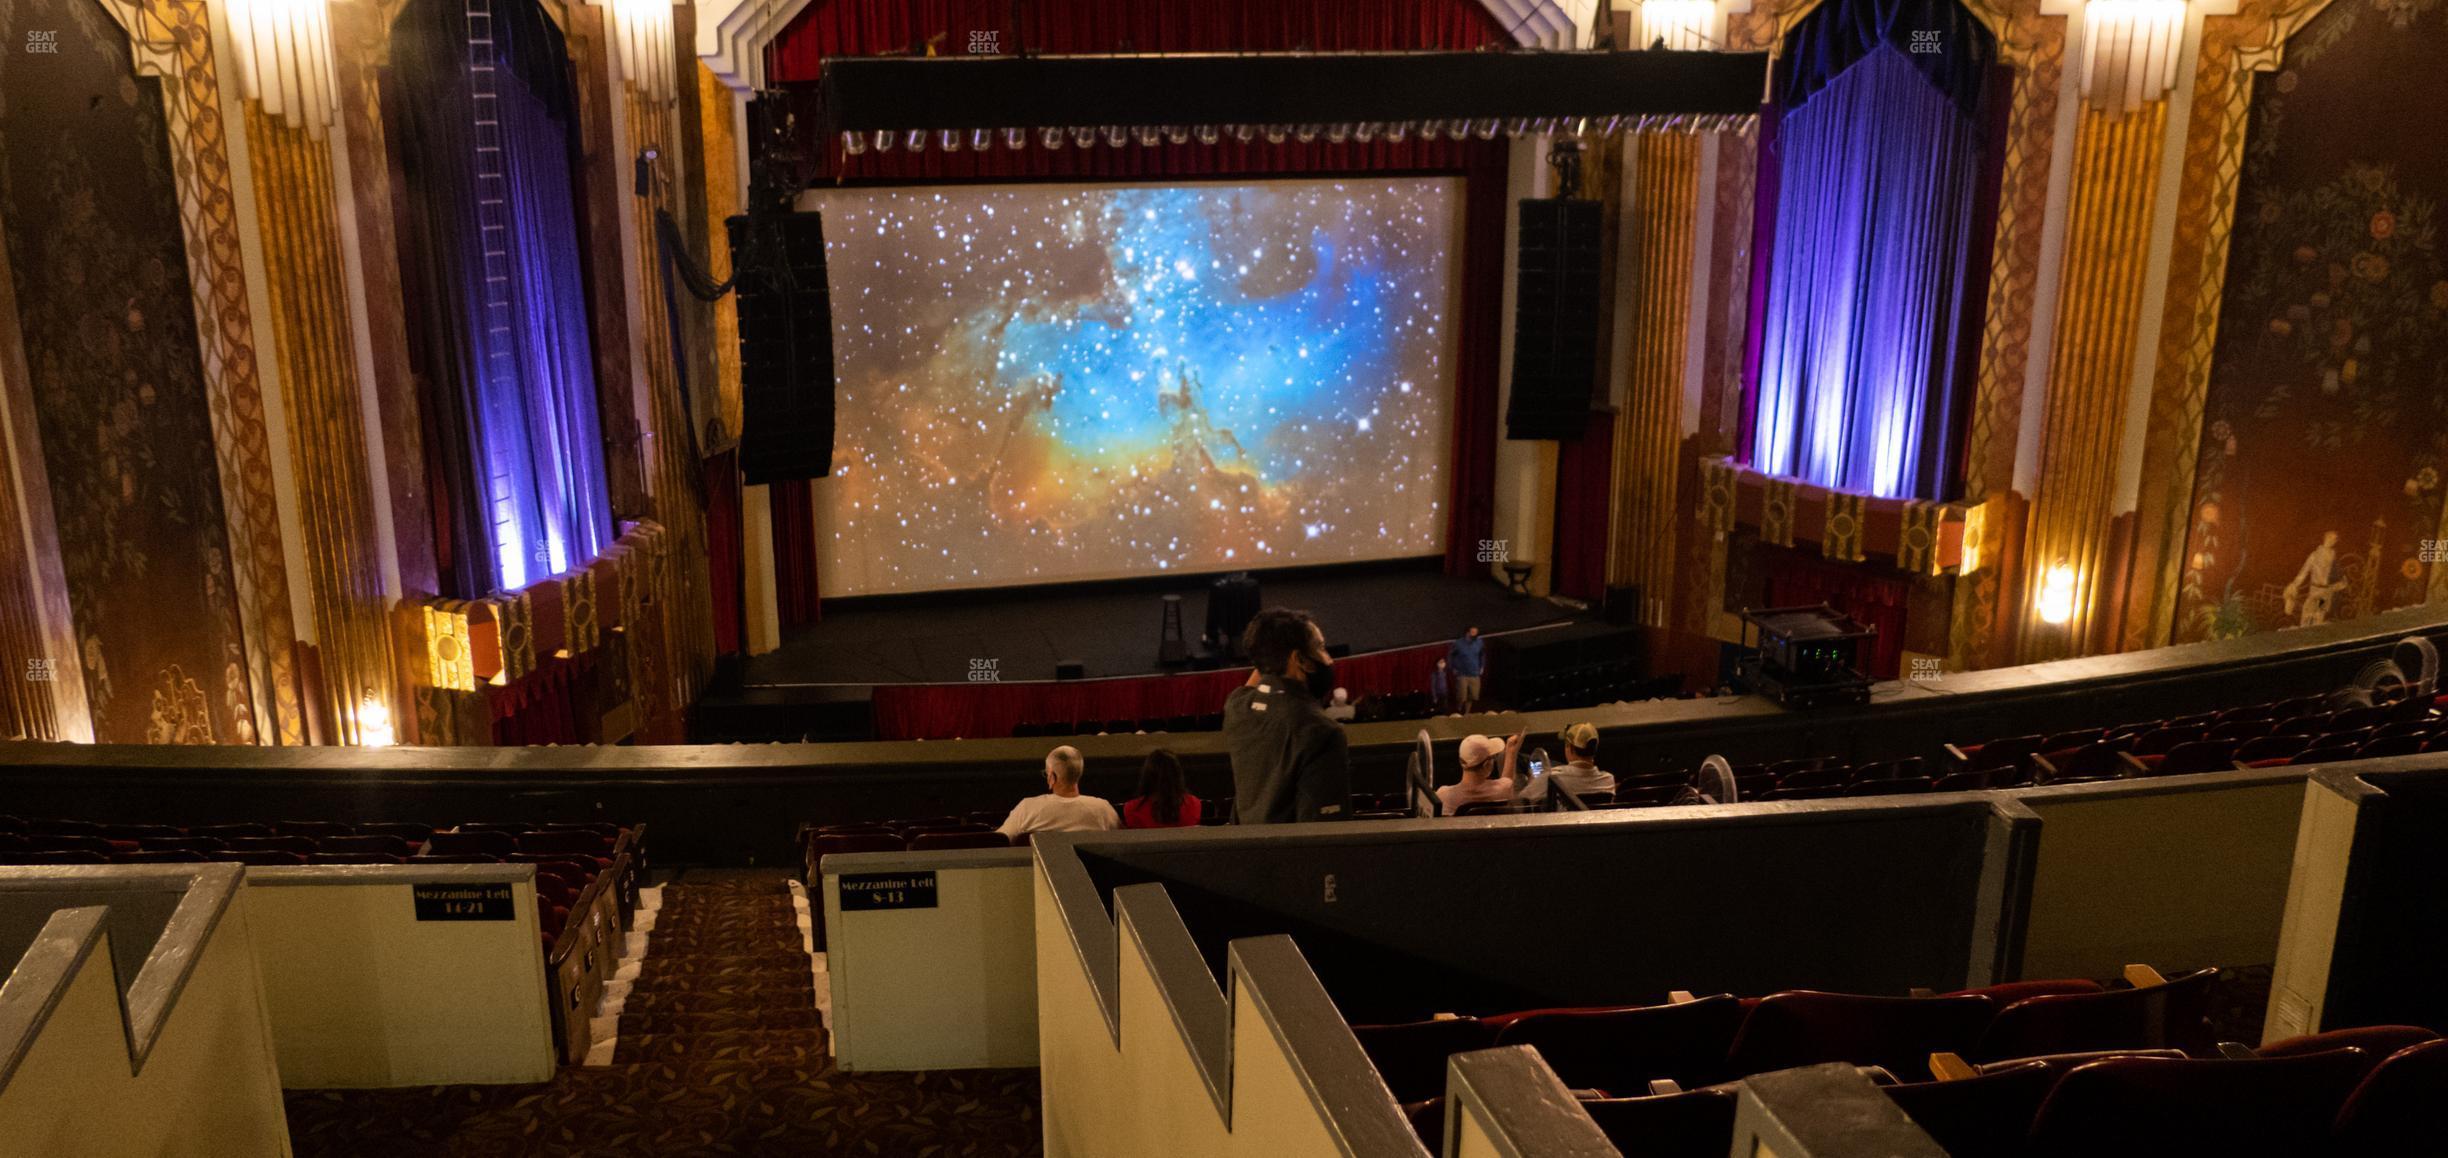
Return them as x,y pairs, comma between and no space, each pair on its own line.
1487,773
1579,772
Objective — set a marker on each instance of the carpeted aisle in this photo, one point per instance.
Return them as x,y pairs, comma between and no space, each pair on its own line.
720,1050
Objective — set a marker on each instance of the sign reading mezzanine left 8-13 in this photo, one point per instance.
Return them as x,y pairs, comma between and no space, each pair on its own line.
861,892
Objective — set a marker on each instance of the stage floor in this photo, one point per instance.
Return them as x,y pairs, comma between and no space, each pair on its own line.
1114,632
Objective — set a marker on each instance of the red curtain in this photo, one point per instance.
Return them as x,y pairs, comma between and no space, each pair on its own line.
1585,478
794,550
725,552
1470,506
1796,580
978,711
949,27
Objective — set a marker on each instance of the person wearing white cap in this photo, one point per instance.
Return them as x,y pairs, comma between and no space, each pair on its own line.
1487,773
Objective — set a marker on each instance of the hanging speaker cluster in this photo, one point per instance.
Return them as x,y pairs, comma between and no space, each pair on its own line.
1555,320
786,347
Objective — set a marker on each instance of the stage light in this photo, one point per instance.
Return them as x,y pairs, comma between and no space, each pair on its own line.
2056,601
916,140
1486,129
285,59
1116,136
2130,50
1430,129
1275,134
949,140
1083,135
884,140
1338,133
1685,25
1517,126
1177,134
1147,136
983,139
1395,131
1611,126
1206,134
854,143
1305,133
1050,138
1243,133
1364,132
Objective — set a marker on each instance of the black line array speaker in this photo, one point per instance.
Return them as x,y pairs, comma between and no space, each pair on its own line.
1555,320
786,347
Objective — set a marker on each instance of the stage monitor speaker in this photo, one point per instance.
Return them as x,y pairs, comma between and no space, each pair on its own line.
1070,669
1555,320
786,347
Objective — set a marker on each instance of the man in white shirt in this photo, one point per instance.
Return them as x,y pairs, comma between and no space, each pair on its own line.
1062,808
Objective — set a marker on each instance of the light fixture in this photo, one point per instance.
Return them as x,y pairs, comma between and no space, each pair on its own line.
1305,133
1147,135
854,143
1517,126
1364,132
1206,134
885,139
374,723
2056,602
1684,25
1083,135
1242,133
1430,129
2130,51
1116,135
949,140
1486,129
981,140
1275,134
645,36
1339,132
1395,131
1177,134
284,55
915,139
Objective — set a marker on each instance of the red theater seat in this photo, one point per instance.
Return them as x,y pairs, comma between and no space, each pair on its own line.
158,858
53,857
2401,1106
1978,1117
859,842
1806,1027
410,831
2175,1014
383,845
355,858
1622,1050
2273,1108
268,858
1411,1056
485,841
2377,1040
1692,1124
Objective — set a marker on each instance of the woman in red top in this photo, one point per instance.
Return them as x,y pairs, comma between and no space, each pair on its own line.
1162,801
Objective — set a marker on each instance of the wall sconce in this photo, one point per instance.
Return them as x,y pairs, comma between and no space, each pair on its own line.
1684,25
284,52
374,723
2130,51
643,29
2056,601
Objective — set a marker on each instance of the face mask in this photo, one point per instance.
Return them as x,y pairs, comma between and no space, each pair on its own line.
1320,680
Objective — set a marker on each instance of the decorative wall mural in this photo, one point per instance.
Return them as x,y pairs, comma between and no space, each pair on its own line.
2318,492
91,208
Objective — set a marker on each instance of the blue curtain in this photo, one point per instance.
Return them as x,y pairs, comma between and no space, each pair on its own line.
480,109
1881,127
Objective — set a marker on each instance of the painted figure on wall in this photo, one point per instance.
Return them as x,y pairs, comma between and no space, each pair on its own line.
2311,590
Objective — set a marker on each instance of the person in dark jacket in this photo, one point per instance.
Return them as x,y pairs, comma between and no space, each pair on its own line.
1289,761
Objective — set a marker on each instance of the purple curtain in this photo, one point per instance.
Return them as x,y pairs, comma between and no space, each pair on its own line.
490,262
1878,150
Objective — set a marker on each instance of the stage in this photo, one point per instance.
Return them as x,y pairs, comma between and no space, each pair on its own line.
823,682
1020,634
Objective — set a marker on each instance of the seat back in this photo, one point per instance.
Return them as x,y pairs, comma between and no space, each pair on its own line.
1805,1027
364,845
485,841
937,841
1692,1124
2378,1040
2198,756
1622,1050
1410,1056
297,844
2174,1014
578,841
2401,1106
1978,1117
2274,1107
857,842
2272,747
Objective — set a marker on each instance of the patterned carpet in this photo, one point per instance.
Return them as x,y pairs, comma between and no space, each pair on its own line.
721,1052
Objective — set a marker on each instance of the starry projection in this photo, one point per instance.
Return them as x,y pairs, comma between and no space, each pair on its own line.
1040,383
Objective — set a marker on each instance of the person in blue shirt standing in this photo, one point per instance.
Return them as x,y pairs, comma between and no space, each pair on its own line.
1440,688
1467,658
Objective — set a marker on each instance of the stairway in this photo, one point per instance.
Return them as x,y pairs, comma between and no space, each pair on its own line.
720,973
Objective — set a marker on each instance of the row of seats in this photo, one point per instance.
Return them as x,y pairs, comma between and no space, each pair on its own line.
2352,1093
1699,1041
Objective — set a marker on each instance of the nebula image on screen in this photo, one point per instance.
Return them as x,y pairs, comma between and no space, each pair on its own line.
1040,382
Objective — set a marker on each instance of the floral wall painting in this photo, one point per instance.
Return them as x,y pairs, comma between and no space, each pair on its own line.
2318,493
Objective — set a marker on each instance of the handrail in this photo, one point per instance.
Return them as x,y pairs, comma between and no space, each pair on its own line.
41,979
206,892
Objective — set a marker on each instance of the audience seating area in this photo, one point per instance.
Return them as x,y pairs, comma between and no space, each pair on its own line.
2028,1068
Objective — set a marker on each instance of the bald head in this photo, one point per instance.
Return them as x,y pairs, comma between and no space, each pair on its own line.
1064,765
